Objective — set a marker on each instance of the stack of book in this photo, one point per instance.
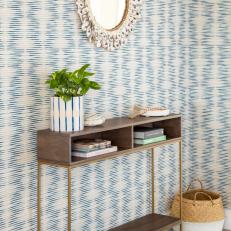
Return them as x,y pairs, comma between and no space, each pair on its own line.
147,135
89,148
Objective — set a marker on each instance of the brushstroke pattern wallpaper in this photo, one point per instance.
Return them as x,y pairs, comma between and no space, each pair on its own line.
179,56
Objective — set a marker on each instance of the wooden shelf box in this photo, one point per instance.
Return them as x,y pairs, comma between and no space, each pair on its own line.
54,148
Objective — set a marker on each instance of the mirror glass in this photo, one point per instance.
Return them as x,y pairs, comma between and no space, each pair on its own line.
108,13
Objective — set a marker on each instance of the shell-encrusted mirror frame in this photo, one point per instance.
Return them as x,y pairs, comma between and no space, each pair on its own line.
109,39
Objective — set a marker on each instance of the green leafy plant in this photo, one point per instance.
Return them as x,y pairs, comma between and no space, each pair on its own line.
71,84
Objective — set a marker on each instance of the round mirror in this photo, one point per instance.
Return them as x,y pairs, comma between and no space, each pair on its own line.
109,14
108,23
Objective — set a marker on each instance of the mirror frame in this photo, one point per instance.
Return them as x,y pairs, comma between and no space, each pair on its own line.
115,37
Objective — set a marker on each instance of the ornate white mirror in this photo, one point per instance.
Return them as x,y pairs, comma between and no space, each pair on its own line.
108,22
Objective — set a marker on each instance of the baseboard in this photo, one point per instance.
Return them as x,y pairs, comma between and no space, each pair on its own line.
227,225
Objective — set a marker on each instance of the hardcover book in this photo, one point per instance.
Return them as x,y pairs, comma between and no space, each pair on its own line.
150,140
147,132
95,153
90,145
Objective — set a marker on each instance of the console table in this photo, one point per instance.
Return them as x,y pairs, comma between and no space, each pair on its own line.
54,148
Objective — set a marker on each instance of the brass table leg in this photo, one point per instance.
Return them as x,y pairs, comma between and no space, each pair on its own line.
153,185
69,199
39,197
180,178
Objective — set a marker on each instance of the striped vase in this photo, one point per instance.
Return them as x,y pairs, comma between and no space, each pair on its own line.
67,116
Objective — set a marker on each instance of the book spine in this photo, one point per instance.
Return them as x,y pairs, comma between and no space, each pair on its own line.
100,145
89,149
147,136
154,132
139,135
149,141
85,150
84,146
95,153
143,135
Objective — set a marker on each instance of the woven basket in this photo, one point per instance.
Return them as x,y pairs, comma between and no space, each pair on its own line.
198,205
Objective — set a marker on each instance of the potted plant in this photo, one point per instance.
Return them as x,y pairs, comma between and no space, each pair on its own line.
67,112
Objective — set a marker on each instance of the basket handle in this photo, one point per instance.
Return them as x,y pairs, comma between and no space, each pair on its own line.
195,180
195,197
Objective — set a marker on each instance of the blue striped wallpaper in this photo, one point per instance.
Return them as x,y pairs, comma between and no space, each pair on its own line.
179,56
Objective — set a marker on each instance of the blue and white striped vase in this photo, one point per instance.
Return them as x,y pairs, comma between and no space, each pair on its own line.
67,116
